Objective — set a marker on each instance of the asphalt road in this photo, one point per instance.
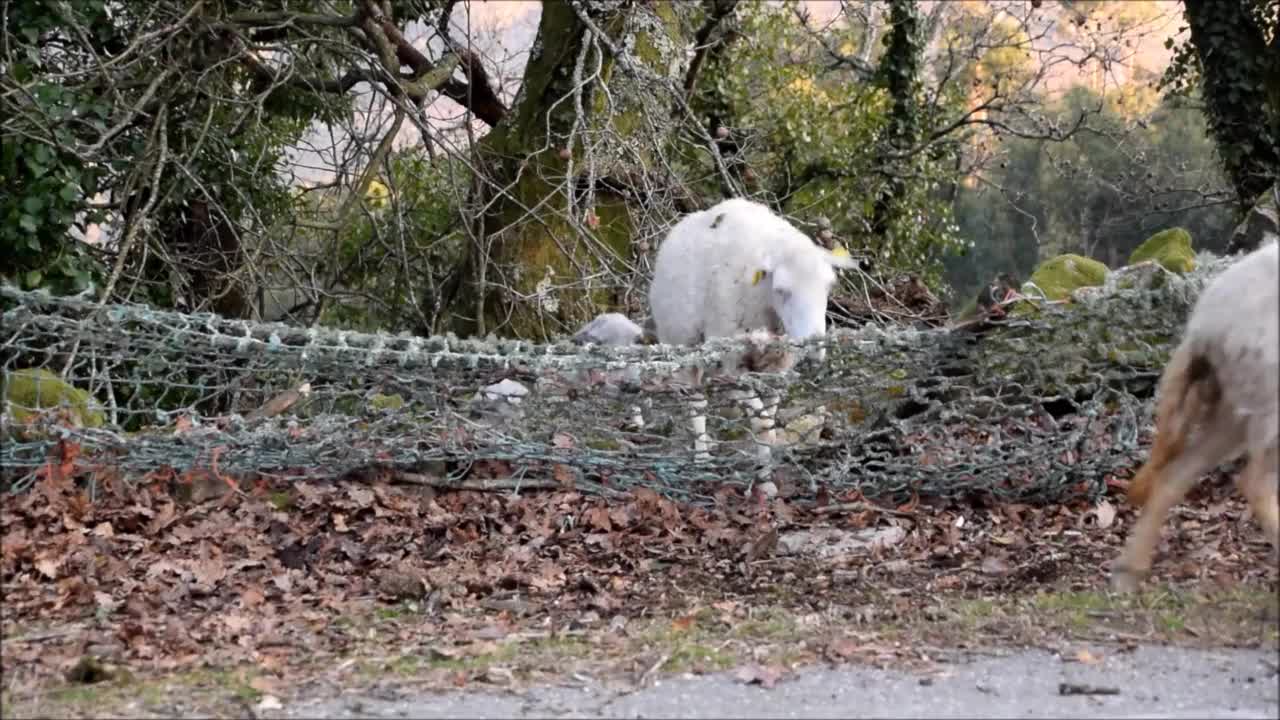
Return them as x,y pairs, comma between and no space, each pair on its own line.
1151,682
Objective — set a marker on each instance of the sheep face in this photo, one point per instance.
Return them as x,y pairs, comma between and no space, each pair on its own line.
798,290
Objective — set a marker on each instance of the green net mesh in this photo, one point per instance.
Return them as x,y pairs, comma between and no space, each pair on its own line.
1040,407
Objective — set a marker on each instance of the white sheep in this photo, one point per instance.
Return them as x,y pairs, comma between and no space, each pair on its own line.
609,329
1219,397
738,267
738,270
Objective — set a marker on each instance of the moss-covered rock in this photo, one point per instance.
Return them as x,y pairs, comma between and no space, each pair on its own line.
1171,248
1260,225
386,402
28,391
1145,275
1059,277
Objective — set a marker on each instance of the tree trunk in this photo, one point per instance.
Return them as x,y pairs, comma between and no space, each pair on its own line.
556,195
901,66
1241,83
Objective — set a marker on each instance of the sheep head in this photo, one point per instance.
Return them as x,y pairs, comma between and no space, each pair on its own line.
798,285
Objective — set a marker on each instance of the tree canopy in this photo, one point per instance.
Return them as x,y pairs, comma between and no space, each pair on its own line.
401,165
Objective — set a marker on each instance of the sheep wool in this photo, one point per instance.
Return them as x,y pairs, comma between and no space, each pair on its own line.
1219,397
738,267
1235,326
609,329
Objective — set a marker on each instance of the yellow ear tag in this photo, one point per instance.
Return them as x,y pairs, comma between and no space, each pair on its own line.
839,251
757,277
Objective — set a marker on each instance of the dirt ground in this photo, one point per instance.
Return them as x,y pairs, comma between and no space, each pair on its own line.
237,604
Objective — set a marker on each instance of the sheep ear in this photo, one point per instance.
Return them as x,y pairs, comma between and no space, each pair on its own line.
767,263
840,258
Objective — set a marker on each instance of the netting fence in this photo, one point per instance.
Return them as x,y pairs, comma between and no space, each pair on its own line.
1038,408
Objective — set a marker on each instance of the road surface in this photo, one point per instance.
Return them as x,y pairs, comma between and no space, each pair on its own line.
1148,682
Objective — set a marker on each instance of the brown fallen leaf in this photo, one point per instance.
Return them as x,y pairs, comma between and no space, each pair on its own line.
763,546
265,684
480,648
105,601
48,566
598,517
1102,516
681,624
994,565
1087,657
563,475
401,585
237,623
764,675
209,570
251,597
844,647
443,652
726,607
163,519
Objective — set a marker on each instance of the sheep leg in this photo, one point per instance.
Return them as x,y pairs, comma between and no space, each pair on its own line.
1169,480
767,423
766,435
1258,483
755,410
761,413
698,426
1184,394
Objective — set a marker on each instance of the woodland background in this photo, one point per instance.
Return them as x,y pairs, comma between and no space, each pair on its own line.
510,167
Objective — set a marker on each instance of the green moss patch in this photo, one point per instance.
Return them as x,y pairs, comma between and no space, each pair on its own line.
1061,275
1171,248
28,391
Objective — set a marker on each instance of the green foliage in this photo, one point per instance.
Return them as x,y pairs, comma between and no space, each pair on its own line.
1099,194
44,184
819,135
84,103
43,192
1171,248
425,204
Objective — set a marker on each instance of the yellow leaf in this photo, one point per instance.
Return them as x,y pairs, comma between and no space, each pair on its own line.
801,84
377,194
